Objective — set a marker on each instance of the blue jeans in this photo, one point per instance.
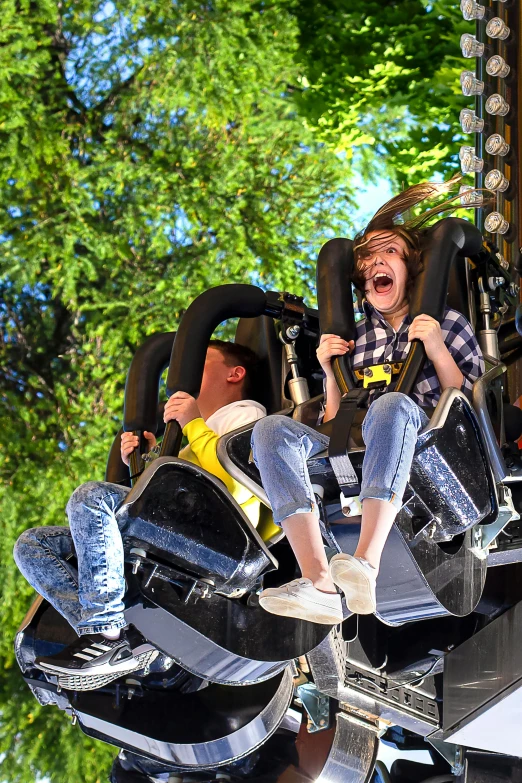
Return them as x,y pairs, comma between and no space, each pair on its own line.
91,597
282,446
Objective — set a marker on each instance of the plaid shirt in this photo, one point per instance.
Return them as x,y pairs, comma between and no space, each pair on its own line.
376,342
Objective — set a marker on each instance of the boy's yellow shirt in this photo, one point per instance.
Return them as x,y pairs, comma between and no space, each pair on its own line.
201,450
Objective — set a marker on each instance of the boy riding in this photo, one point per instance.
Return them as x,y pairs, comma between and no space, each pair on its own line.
90,597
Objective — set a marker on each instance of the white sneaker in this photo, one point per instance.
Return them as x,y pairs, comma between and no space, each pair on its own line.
357,579
302,600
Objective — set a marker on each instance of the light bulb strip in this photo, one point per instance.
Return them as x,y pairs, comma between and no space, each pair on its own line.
491,61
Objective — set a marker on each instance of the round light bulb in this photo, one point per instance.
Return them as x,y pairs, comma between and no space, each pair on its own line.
470,84
497,66
496,104
495,223
470,46
469,197
467,149
472,10
497,145
470,162
469,121
495,180
496,28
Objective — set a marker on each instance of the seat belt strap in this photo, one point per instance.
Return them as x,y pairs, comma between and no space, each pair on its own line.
345,474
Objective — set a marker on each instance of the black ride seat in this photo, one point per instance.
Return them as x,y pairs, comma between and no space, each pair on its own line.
186,516
452,487
183,515
191,545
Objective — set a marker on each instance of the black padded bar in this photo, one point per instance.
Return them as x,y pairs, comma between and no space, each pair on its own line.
116,470
447,239
234,300
141,391
334,297
141,387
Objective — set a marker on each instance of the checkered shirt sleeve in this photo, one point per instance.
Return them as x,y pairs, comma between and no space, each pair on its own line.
462,345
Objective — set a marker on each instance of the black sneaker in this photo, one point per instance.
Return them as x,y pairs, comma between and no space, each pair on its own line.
93,660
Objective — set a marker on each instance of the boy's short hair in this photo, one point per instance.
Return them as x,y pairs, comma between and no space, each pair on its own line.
237,355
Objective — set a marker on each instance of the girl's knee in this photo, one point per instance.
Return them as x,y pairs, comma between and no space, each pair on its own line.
391,404
268,429
389,411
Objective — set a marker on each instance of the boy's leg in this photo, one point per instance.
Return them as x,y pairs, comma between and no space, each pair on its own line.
90,597
390,431
104,652
281,449
99,551
42,555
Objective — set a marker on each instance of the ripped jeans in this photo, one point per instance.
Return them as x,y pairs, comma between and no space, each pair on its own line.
90,597
281,447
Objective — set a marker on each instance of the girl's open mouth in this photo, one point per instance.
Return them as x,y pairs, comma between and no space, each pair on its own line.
382,283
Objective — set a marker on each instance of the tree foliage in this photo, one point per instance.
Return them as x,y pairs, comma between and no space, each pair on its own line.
381,83
148,151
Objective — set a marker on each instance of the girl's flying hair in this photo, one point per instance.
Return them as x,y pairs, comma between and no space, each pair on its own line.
392,218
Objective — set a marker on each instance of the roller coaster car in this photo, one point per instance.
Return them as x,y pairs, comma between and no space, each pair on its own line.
195,563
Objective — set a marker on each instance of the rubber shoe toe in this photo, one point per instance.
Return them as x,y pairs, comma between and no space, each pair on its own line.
301,600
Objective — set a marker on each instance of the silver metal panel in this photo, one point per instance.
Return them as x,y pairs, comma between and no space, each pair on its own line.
403,594
496,727
328,662
483,688
504,557
387,713
353,753
480,388
197,654
203,755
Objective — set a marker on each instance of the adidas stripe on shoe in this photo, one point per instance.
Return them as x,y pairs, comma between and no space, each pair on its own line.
94,656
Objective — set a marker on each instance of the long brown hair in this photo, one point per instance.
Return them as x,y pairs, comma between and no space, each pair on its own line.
392,218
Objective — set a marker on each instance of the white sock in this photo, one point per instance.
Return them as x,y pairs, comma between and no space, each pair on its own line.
113,634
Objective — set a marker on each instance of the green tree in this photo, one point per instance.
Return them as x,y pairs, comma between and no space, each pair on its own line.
148,152
380,83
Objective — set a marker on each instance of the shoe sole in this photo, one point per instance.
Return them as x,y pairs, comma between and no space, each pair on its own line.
284,606
90,682
355,584
105,668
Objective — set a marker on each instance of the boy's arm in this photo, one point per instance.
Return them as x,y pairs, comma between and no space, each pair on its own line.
203,441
